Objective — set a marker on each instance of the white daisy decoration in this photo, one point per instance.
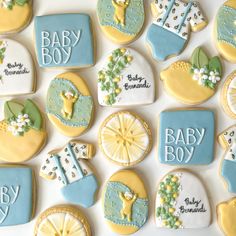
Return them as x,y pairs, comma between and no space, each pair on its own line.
23,120
6,3
15,128
214,77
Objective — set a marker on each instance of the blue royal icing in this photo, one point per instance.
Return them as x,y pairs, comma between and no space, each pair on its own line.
186,137
16,195
228,173
64,40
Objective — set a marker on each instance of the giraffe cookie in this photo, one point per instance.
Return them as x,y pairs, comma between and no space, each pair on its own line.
121,20
125,202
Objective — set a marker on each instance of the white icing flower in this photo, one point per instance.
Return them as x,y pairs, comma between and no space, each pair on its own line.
23,120
5,3
15,128
3,43
214,77
199,75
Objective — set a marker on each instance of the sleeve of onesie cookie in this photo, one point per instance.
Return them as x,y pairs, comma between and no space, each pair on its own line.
228,137
198,21
158,7
48,169
84,151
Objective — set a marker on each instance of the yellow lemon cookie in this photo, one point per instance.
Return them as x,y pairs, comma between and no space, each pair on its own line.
62,220
193,82
22,134
15,15
125,138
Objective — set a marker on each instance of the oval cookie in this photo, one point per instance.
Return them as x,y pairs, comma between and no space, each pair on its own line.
22,132
70,105
125,202
121,20
62,220
193,82
17,72
225,30
125,79
182,202
15,15
125,138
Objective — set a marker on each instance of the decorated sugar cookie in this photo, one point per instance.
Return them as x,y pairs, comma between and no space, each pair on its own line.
125,202
15,15
17,195
173,20
193,82
182,202
62,220
125,138
121,20
69,167
22,132
64,41
17,73
125,79
226,213
186,137
225,30
69,104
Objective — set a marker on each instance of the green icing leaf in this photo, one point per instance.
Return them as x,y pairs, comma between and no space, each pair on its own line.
21,2
215,64
12,109
34,114
199,58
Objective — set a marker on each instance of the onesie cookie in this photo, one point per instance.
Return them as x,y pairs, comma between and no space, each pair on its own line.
64,41
22,132
17,72
225,30
62,220
226,213
195,81
182,202
173,21
69,104
125,79
15,15
125,202
125,138
68,166
17,195
121,20
186,137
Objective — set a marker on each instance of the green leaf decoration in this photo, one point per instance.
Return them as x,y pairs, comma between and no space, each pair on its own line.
34,114
215,64
199,58
12,109
21,2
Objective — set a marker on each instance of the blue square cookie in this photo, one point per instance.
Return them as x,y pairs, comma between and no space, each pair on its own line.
186,137
64,40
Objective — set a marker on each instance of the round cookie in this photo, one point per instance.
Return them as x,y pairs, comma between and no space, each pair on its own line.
125,138
125,202
182,202
121,20
15,15
69,104
62,220
125,79
17,72
193,82
22,132
225,31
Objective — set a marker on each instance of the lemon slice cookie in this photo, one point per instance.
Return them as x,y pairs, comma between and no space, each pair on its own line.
125,138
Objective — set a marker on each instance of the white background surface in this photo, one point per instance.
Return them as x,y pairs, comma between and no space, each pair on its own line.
150,169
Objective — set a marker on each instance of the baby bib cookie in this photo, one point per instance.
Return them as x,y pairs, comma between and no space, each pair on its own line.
22,132
62,220
125,138
125,79
182,202
17,72
69,105
186,137
15,15
173,20
64,41
69,167
125,202
226,213
193,82
17,195
121,20
225,30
